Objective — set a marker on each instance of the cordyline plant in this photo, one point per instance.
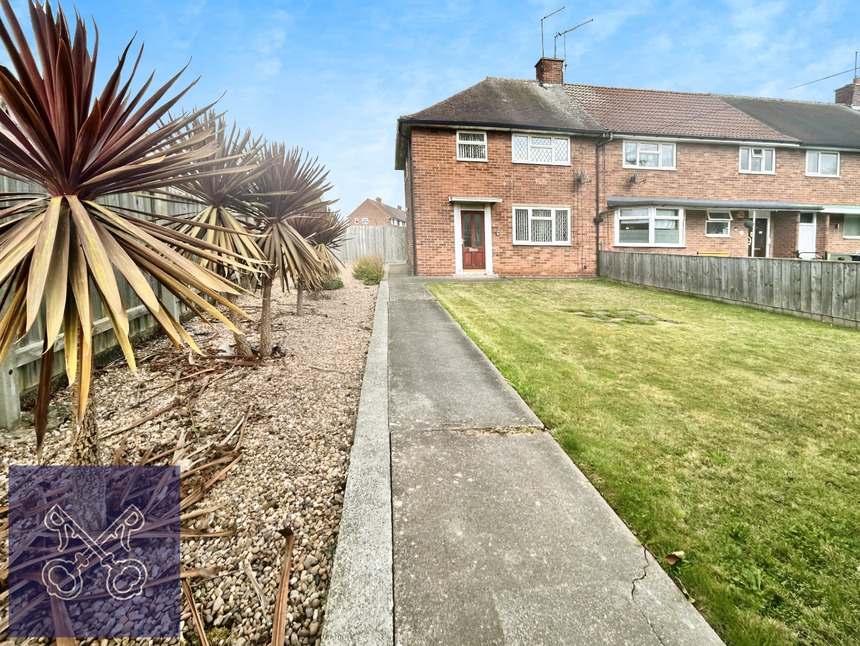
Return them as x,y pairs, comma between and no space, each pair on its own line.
325,231
222,199
292,185
57,242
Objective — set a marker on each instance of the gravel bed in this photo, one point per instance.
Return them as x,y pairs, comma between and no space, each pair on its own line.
295,454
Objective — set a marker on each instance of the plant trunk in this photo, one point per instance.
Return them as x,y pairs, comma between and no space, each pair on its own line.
243,347
300,300
266,320
88,495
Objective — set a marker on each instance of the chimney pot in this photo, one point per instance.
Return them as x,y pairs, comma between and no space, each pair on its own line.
550,71
378,199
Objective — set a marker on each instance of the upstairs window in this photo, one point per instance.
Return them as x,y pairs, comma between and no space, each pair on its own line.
649,227
471,146
822,164
719,224
364,220
756,160
540,149
647,154
541,225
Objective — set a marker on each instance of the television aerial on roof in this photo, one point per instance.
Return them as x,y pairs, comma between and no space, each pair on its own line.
564,34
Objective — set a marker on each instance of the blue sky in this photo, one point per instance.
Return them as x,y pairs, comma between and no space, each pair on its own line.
332,77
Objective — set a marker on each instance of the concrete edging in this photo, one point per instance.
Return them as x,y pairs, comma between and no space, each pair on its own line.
360,607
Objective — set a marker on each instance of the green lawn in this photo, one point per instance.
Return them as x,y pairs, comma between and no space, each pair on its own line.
724,432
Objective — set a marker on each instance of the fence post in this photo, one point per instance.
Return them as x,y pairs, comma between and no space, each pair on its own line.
10,399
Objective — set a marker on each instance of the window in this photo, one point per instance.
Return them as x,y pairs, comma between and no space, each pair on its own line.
356,220
364,220
719,224
644,154
822,164
756,160
852,226
541,225
472,146
540,149
649,226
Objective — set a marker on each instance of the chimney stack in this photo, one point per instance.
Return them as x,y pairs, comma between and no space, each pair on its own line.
850,94
550,71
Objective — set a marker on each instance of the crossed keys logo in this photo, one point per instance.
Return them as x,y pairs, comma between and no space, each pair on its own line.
64,578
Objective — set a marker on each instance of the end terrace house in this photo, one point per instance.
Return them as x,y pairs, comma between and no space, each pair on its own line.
533,177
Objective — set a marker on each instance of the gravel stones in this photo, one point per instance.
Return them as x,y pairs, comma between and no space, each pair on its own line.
295,456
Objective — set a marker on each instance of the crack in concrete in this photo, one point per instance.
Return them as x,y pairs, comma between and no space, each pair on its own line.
633,595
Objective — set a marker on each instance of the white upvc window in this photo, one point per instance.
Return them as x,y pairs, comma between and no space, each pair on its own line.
719,224
649,226
364,220
757,160
471,145
649,154
540,149
541,225
356,220
820,163
851,229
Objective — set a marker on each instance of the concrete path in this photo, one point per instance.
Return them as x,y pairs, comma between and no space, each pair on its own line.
497,537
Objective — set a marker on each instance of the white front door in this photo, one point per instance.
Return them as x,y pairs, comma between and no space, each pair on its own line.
806,236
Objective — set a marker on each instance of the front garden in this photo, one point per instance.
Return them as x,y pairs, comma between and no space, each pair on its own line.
726,438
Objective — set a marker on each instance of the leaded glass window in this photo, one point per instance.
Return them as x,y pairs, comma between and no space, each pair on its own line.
540,149
541,225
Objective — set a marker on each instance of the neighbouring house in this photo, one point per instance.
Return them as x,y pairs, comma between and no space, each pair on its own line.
532,178
373,213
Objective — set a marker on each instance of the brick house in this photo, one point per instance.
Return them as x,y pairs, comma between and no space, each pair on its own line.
531,178
373,213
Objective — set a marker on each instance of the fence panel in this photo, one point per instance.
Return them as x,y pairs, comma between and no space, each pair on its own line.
385,241
820,289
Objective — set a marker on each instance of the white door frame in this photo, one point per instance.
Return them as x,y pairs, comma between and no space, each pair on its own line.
459,207
762,215
814,227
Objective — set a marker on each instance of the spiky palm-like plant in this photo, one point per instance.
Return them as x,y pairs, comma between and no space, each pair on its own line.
325,232
222,199
57,242
294,184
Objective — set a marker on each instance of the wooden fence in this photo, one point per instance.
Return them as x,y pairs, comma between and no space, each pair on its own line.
20,368
822,290
385,241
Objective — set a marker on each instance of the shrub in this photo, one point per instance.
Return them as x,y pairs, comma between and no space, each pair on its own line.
368,269
333,283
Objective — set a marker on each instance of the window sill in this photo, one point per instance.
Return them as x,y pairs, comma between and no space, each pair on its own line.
715,235
542,244
824,176
650,246
534,163
626,167
763,172
484,161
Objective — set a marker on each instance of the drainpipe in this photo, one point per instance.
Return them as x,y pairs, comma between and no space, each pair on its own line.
598,216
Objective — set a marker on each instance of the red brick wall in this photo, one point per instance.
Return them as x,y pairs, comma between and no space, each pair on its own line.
705,171
831,239
437,175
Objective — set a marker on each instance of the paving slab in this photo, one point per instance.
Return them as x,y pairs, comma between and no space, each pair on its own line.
500,539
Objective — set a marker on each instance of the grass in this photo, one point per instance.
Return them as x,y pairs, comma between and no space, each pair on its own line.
725,433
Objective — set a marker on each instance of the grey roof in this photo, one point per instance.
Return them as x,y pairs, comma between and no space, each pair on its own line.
509,103
813,124
626,201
